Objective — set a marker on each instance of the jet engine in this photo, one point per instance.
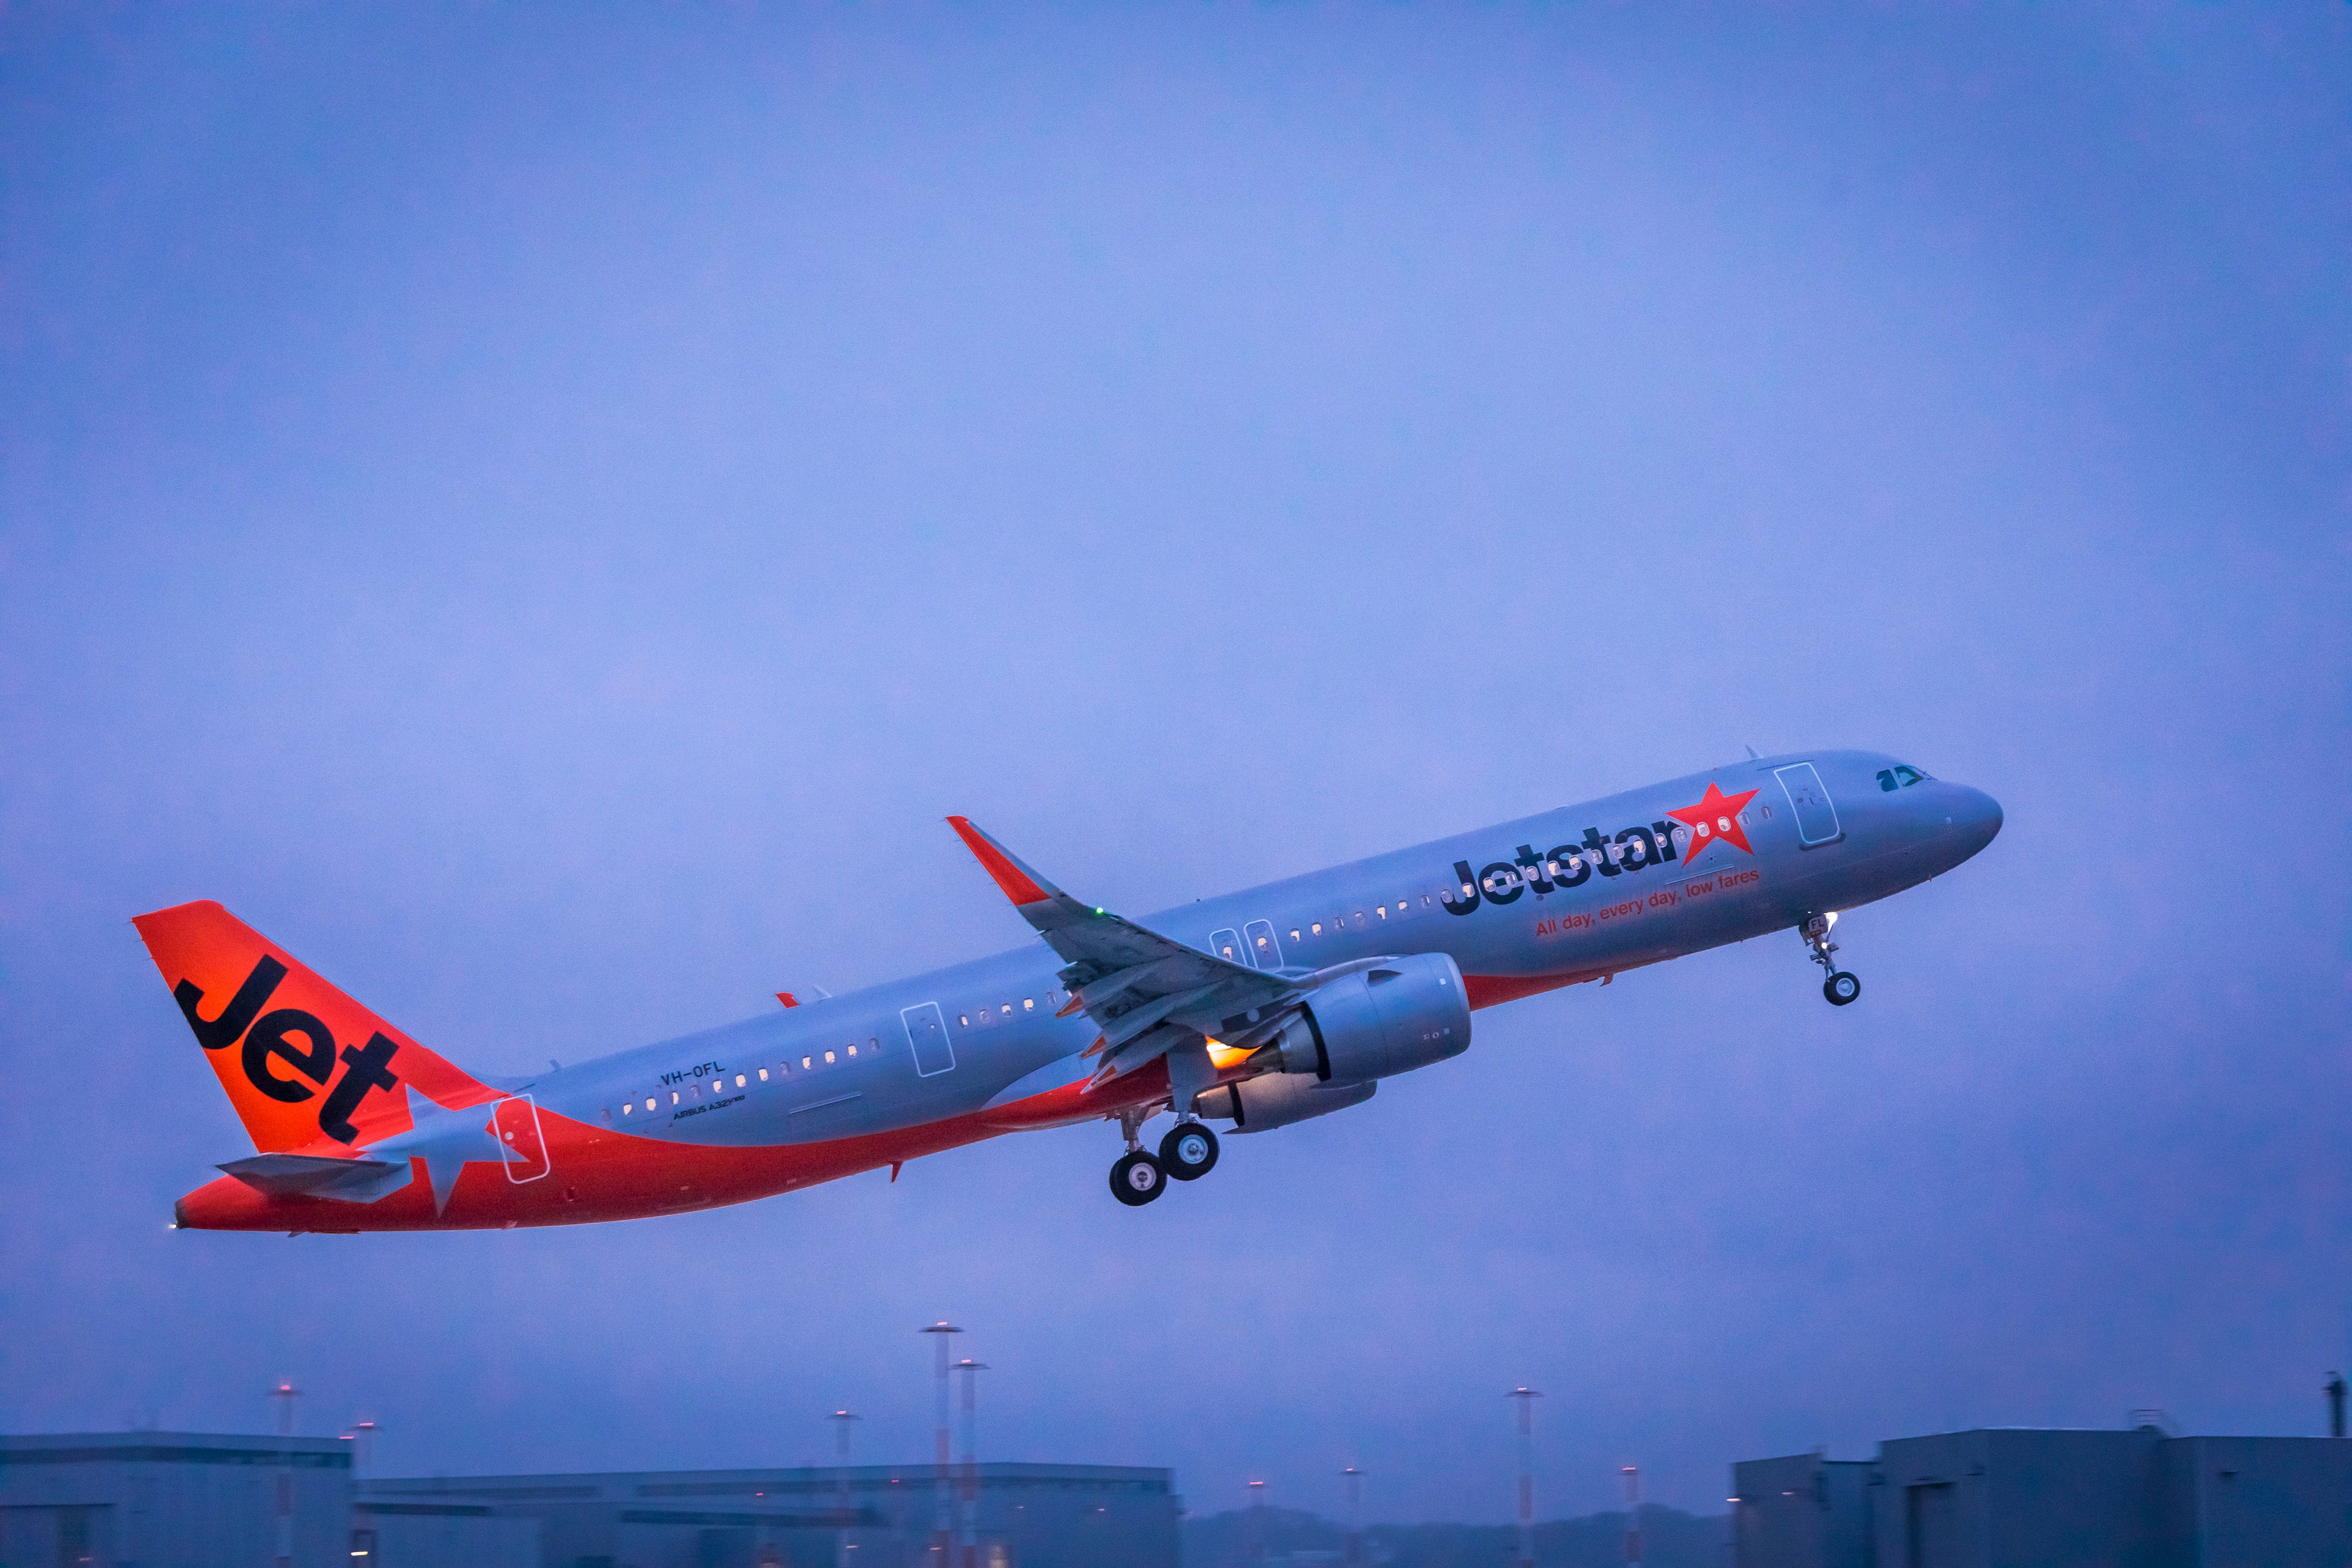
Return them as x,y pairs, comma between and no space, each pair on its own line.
1277,1100
1351,1032
1400,1014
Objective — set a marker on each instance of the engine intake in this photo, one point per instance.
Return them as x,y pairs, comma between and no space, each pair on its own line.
1399,1015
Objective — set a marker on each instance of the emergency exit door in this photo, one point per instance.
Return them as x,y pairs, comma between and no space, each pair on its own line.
516,1122
927,1031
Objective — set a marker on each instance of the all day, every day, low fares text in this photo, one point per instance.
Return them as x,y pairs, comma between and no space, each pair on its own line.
1258,1009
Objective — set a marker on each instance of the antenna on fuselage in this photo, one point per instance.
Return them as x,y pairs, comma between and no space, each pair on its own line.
1751,754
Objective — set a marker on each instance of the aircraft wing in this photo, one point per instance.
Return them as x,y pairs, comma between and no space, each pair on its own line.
1146,992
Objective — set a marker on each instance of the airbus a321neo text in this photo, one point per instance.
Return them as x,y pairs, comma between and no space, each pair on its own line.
1258,1009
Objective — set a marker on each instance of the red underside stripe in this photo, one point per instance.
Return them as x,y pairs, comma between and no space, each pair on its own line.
599,1173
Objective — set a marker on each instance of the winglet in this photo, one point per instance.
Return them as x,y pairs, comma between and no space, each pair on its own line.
1020,885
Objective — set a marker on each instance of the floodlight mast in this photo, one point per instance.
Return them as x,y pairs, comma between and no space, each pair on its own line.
286,1394
363,1438
1526,1399
942,1522
1633,1516
842,1422
968,1482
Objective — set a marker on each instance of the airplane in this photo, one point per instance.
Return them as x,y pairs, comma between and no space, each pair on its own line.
1260,1008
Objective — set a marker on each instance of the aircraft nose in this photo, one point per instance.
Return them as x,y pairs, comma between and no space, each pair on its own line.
1974,817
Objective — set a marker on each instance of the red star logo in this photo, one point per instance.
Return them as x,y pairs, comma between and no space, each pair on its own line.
1716,817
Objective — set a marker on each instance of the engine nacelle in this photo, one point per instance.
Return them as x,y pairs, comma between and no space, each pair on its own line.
1402,1014
1277,1099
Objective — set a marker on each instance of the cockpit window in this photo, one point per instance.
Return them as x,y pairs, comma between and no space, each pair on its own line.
1900,777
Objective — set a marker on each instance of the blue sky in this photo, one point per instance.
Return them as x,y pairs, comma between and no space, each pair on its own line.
543,511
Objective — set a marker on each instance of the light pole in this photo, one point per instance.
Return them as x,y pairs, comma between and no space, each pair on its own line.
1526,1399
1633,1516
362,1437
286,1394
941,1527
1355,1558
968,1483
842,1422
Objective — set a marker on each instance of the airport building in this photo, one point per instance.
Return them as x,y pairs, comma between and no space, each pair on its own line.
2006,1498
169,1499
173,1499
876,1516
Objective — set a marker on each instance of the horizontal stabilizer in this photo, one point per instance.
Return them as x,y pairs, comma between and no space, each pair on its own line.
318,1176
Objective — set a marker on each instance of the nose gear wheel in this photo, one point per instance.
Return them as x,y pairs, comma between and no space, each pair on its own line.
1838,987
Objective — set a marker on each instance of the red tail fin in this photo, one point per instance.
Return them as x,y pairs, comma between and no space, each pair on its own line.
303,1063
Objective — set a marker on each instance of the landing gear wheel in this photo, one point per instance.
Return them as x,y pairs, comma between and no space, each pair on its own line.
1840,987
1136,1180
1189,1152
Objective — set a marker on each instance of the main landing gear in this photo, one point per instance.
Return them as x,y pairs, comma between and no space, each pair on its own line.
1840,987
1137,1179
1187,1152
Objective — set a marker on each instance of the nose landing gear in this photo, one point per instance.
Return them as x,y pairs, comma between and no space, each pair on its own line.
1839,988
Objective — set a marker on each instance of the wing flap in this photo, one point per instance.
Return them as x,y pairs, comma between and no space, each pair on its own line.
1145,991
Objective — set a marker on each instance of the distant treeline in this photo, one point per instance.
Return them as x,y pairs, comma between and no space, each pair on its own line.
1284,1537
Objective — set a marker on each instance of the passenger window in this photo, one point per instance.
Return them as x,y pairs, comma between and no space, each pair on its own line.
1319,928
853,1050
625,1108
673,1096
739,1080
828,1056
1294,933
764,1075
807,1062
1381,910
964,1018
649,1101
1008,1009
